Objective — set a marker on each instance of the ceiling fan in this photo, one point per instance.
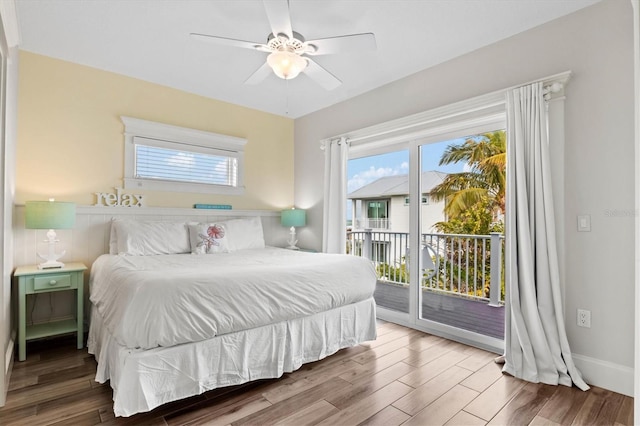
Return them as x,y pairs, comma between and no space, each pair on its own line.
289,52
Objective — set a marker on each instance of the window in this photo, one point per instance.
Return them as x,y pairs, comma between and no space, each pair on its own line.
425,200
377,209
178,164
377,215
169,158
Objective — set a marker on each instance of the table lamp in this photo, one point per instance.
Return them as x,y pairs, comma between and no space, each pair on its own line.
293,217
50,215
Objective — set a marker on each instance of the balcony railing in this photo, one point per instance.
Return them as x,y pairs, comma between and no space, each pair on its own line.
465,265
372,223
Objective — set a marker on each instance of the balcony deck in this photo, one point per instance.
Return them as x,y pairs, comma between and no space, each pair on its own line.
468,314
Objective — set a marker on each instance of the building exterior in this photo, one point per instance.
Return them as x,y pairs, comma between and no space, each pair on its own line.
384,204
380,216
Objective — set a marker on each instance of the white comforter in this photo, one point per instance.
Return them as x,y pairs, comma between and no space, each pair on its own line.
166,300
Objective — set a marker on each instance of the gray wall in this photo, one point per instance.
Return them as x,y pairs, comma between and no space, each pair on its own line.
596,44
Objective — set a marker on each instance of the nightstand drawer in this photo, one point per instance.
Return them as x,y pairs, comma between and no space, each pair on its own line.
51,281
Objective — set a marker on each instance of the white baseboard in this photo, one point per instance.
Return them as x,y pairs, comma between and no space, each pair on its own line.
604,374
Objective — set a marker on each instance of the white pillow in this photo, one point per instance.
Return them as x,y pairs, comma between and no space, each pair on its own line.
244,233
208,238
139,238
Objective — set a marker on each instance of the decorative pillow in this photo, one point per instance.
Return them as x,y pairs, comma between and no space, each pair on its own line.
208,238
139,238
245,233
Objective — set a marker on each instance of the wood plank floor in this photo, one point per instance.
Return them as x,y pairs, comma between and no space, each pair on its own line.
404,377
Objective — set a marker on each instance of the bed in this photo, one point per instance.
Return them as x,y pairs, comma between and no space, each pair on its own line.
182,308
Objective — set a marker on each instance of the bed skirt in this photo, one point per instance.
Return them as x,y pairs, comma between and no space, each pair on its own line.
144,379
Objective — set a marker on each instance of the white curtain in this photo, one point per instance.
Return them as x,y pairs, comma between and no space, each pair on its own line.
334,234
536,345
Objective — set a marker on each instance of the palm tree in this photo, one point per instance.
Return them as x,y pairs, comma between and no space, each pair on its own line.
485,155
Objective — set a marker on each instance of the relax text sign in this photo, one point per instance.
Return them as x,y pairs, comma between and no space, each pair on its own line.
118,199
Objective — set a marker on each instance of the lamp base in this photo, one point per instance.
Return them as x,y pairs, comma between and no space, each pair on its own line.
50,264
292,239
51,257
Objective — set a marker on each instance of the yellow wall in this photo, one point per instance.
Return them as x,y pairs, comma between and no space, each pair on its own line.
71,143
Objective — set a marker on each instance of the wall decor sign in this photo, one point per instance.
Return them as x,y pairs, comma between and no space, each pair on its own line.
119,199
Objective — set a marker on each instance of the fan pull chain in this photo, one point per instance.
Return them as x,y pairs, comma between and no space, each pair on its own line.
286,94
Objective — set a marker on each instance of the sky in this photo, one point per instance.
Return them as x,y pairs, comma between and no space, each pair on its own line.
362,171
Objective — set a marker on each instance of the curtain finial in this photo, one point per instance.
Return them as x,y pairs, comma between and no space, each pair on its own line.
554,87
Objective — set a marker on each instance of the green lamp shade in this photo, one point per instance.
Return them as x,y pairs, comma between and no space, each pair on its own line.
293,217
49,215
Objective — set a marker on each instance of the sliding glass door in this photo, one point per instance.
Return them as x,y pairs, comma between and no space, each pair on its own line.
429,215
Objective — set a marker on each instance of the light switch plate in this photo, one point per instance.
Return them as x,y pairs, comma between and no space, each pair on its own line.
584,223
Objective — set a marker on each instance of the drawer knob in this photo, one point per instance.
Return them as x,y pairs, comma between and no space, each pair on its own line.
52,282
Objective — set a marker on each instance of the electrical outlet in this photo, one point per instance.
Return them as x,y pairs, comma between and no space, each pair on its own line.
584,318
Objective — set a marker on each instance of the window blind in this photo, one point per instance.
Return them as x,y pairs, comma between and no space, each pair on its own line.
152,162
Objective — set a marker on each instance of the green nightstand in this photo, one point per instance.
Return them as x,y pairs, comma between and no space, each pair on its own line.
32,280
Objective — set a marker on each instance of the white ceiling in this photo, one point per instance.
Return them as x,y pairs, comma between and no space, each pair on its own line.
149,40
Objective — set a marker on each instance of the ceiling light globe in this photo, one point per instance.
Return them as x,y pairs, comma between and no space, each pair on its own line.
285,64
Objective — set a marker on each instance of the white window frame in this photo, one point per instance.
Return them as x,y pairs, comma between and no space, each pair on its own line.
188,140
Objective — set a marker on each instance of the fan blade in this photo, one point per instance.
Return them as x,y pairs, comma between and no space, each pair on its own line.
279,17
230,42
321,76
347,43
260,74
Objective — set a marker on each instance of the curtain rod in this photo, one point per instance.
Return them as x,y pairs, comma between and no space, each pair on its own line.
553,84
